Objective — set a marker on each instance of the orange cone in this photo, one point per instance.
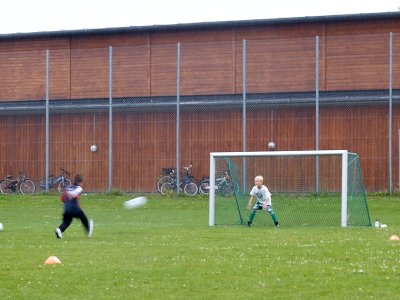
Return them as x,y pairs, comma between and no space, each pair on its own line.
394,238
52,260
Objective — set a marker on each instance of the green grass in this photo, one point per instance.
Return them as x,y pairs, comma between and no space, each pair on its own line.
294,210
166,250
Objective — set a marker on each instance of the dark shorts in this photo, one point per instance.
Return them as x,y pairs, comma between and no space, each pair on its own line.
259,206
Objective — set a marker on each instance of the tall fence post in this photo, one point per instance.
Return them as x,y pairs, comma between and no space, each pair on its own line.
178,95
110,125
390,111
317,111
47,120
244,147
244,96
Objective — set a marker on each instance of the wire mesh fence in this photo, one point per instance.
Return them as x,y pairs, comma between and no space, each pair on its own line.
120,115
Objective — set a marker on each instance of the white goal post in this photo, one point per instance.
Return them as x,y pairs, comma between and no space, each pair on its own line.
316,153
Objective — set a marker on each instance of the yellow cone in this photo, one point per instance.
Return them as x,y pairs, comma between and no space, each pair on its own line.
52,260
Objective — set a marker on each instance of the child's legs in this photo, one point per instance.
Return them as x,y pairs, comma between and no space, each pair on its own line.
67,219
271,212
252,215
256,207
85,222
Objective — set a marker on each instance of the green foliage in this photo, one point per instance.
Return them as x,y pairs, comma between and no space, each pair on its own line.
166,250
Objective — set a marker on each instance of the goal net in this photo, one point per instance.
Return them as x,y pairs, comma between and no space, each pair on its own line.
309,188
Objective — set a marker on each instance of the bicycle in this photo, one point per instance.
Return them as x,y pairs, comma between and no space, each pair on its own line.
21,183
59,182
168,175
190,188
224,185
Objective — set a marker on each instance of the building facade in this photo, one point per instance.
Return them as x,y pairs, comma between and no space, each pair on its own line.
164,96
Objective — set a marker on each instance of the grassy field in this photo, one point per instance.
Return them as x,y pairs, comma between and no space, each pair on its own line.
166,250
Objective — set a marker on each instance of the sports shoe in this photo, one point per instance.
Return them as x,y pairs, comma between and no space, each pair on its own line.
91,224
249,223
58,233
276,224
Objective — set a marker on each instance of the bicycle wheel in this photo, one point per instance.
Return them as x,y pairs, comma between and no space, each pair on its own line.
27,186
231,188
42,184
204,187
5,187
63,184
191,189
163,179
167,188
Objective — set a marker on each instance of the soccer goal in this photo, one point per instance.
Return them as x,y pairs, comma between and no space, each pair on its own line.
309,188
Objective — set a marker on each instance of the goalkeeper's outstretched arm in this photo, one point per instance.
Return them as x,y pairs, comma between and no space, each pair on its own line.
250,204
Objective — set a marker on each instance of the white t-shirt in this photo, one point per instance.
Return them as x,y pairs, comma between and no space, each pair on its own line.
262,195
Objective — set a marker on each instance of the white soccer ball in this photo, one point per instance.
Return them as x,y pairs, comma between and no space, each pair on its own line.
271,146
1,227
135,203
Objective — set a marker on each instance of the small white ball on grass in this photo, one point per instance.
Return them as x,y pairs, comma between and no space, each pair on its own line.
135,202
1,227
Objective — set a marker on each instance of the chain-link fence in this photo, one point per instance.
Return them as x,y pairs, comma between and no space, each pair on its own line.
120,115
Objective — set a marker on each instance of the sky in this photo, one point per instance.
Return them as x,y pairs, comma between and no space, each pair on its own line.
22,16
